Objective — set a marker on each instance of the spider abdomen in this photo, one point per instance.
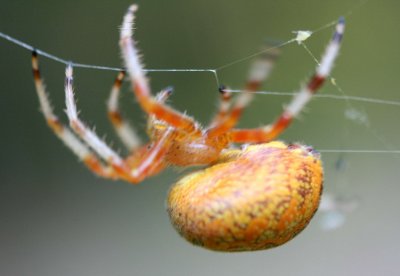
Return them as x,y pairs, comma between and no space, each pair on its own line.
259,200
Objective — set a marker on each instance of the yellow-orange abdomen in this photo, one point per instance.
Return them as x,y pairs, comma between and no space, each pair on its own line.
260,199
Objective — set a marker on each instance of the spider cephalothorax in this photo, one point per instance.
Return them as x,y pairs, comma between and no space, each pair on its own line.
256,197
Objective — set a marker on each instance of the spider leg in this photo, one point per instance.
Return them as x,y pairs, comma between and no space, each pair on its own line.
150,159
223,107
259,72
63,132
140,84
270,132
123,129
161,97
148,163
164,94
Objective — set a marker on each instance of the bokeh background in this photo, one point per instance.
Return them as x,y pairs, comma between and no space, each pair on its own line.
56,218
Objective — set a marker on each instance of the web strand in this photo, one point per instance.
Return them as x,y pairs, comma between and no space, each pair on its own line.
358,151
325,96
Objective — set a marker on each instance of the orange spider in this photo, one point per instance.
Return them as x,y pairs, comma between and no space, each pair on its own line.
252,198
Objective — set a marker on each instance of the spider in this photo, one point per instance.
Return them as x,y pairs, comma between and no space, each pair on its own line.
250,198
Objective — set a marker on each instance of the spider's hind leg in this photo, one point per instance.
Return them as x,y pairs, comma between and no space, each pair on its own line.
259,71
223,106
270,132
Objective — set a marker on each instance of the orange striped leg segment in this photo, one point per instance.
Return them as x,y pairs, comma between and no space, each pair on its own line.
63,132
140,84
123,129
259,72
270,132
150,159
224,106
134,174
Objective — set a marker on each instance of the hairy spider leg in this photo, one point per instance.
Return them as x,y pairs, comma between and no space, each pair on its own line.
161,97
63,132
145,164
259,71
150,159
164,94
270,132
123,129
140,84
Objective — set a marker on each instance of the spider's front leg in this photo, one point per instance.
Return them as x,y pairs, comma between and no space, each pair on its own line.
147,163
140,84
270,132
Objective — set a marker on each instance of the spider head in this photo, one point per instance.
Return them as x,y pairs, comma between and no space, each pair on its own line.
185,148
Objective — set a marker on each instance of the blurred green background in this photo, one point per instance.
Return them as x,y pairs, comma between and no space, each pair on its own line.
56,218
